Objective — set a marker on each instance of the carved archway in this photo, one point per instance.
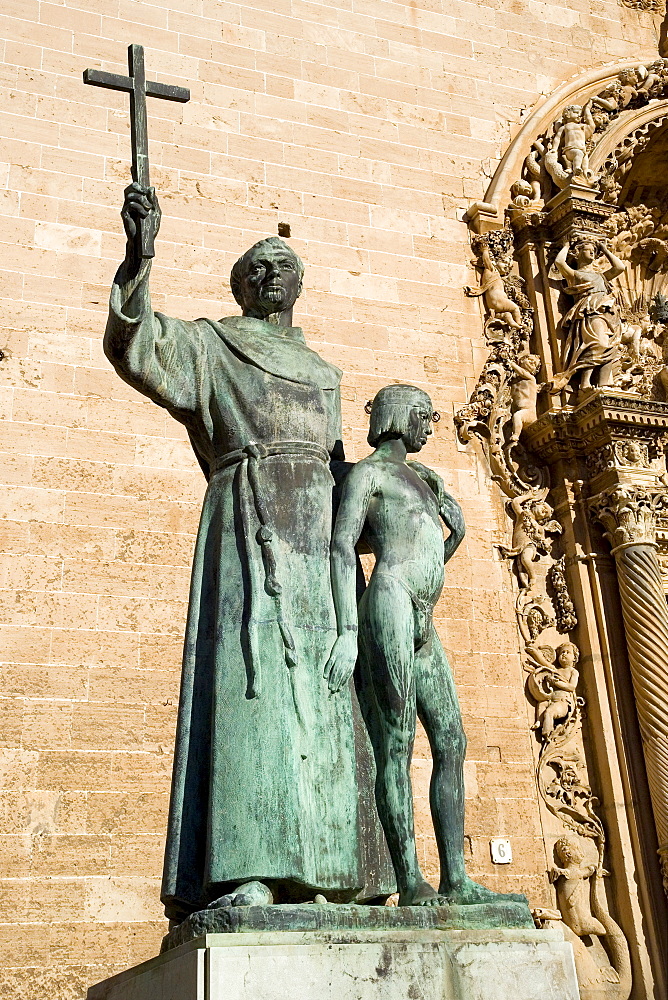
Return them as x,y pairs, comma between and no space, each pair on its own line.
571,410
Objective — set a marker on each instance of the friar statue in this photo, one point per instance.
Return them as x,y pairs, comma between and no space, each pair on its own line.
264,800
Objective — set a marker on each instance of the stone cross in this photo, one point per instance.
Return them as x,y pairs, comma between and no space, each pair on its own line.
139,88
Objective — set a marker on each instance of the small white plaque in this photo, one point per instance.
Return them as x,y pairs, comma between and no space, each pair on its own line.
502,852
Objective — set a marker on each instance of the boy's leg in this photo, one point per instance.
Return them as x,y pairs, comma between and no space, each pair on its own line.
439,712
388,702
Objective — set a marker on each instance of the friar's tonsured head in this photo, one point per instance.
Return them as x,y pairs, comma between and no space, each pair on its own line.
267,278
392,412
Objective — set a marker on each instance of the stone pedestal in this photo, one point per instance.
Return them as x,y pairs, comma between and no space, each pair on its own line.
400,964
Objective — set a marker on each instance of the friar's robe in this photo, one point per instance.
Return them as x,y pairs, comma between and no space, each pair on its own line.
264,782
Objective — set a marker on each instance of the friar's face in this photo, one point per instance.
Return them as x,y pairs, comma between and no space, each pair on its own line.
271,282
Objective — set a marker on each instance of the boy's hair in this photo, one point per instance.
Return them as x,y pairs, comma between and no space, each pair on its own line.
240,268
391,408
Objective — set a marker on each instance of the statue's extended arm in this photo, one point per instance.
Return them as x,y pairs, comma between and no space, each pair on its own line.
560,263
163,358
356,493
130,302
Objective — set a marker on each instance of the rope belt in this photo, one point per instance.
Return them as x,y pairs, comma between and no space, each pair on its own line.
249,458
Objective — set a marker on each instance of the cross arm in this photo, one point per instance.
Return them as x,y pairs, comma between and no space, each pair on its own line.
114,81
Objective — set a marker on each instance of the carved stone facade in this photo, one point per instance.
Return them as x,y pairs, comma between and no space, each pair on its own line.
576,439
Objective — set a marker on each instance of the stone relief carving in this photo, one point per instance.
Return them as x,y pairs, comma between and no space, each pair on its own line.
566,619
552,682
653,5
588,218
566,157
601,952
504,401
562,154
589,228
503,311
592,327
532,531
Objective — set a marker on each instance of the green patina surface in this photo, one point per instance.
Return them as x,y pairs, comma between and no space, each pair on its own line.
328,917
265,782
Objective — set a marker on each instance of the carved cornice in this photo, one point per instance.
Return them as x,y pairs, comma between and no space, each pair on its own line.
569,212
601,430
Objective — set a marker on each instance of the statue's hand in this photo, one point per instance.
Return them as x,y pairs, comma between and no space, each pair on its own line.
139,203
431,478
341,663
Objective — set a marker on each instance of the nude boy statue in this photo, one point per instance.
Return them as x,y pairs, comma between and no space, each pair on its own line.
398,507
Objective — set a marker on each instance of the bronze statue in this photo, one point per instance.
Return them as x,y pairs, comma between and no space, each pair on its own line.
264,787
398,507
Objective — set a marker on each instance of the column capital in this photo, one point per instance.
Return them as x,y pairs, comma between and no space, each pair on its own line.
628,514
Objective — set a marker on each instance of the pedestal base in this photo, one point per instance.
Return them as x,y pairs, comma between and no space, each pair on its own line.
356,965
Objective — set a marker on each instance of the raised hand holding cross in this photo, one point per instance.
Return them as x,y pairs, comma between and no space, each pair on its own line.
139,88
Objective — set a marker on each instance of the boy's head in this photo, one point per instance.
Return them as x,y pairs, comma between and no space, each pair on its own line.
401,411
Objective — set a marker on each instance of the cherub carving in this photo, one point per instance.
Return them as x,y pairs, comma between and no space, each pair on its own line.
567,157
601,951
629,79
552,682
573,891
500,306
524,391
531,537
653,84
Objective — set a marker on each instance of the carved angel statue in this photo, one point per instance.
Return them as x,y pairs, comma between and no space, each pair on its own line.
531,536
592,327
566,158
524,391
502,309
655,81
552,682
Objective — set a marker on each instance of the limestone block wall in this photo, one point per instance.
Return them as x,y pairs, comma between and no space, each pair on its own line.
367,126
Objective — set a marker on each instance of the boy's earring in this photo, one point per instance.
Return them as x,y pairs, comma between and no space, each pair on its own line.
435,417
368,405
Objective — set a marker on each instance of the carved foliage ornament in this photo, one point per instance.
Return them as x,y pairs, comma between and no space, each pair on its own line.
628,514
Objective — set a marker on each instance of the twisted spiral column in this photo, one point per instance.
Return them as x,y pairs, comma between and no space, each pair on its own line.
627,515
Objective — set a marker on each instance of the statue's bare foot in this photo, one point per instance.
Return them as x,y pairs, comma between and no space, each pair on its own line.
468,893
421,894
249,894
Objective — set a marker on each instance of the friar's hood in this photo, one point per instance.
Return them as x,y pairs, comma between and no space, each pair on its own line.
283,354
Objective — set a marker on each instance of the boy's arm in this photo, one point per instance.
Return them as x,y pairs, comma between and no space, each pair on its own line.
355,497
448,508
453,518
519,370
